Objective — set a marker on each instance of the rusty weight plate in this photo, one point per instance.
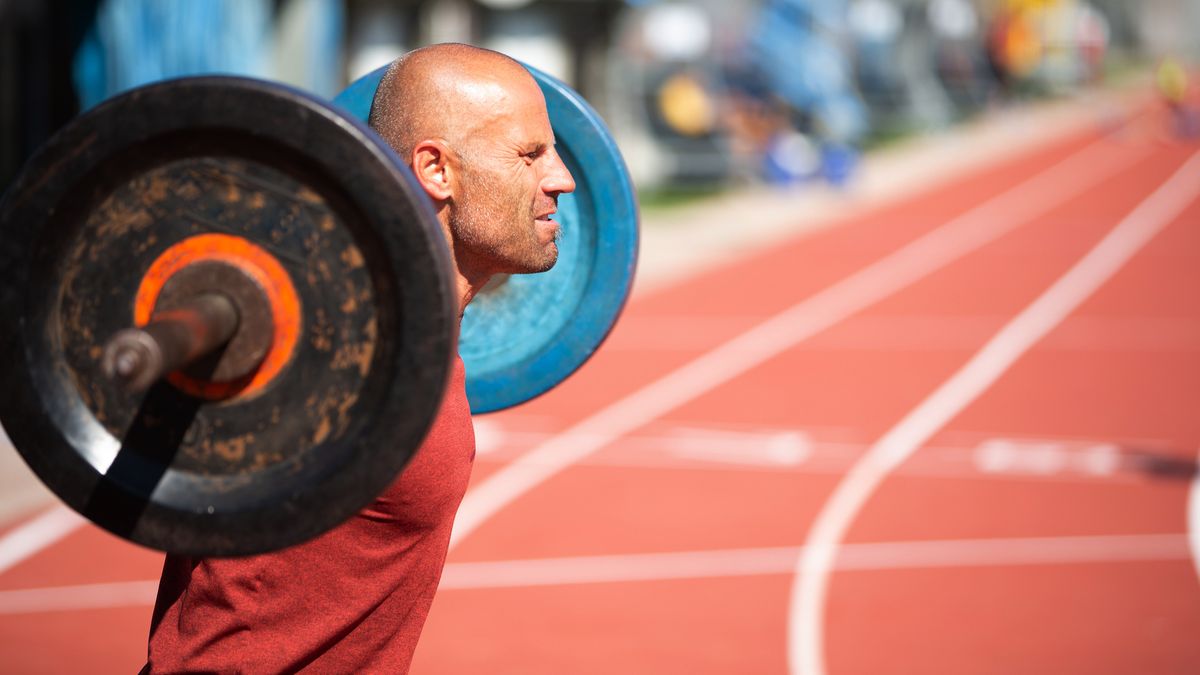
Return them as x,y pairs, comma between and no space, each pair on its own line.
314,193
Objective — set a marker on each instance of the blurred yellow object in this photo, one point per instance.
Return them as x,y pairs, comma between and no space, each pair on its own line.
1022,45
1032,5
686,106
1172,80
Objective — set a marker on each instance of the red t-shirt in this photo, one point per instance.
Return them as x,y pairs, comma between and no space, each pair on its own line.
352,600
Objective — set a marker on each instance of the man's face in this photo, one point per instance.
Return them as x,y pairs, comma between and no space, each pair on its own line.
511,179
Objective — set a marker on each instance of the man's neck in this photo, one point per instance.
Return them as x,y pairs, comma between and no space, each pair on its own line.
466,292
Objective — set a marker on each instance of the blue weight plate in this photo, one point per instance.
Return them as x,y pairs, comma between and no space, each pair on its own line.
525,335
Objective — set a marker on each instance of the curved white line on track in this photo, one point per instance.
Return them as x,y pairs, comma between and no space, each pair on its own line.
1193,519
807,603
26,540
926,254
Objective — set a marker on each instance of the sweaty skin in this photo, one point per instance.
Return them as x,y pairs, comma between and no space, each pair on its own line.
473,126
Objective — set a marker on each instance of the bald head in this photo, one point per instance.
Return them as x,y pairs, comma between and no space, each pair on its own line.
446,91
472,126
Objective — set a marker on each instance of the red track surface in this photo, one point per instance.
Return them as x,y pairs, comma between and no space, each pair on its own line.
1043,529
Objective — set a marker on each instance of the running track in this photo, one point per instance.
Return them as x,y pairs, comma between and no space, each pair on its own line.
957,434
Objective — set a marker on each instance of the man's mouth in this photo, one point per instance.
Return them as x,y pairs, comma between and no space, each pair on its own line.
549,227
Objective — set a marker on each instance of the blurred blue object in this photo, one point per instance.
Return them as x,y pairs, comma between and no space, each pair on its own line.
134,42
793,44
838,161
309,38
790,157
875,28
816,14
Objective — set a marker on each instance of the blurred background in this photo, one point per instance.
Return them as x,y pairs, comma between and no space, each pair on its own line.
700,93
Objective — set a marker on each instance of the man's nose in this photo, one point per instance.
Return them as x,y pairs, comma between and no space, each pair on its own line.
558,178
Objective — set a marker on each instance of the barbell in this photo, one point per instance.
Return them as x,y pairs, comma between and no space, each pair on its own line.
230,311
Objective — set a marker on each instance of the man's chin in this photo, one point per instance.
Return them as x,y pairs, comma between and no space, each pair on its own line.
542,259
547,263
544,262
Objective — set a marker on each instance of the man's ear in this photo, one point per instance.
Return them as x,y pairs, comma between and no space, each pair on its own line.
432,166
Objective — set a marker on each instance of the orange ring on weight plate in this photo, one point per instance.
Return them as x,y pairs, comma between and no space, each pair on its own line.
260,266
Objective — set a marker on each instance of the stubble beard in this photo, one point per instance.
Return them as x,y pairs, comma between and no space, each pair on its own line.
498,228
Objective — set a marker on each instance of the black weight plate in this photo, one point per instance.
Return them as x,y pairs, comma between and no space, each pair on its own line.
329,202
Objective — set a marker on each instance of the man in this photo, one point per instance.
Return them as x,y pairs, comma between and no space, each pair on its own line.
472,125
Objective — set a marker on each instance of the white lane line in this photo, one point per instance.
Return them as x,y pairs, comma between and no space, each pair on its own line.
781,560
779,449
921,257
691,447
27,539
807,603
861,557
82,596
679,565
1193,518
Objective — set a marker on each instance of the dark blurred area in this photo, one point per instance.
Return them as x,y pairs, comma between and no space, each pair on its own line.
699,93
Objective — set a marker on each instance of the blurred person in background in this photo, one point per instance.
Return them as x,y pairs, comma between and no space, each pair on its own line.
1171,78
1013,46
795,47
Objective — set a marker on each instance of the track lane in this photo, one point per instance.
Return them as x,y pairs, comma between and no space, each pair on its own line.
525,525
829,255
829,391
1164,206
923,255
1143,400
599,383
1005,620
